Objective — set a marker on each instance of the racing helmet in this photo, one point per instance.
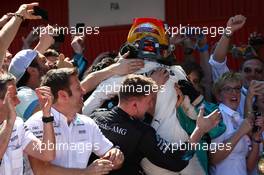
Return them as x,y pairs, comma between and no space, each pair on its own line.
149,37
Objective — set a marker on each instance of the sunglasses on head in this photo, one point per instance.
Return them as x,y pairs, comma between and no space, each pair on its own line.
249,70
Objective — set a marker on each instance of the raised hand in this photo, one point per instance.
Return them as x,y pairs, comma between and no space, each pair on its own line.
177,39
64,62
255,88
236,22
26,10
46,35
45,99
45,38
11,101
126,66
78,44
206,123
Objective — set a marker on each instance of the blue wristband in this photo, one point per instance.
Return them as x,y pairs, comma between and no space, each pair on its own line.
204,48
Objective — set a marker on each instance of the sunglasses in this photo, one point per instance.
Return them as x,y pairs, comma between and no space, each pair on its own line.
249,70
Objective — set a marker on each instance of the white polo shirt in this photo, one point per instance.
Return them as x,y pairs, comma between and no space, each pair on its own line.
12,161
235,162
74,142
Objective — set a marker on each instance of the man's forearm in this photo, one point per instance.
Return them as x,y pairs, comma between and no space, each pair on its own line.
5,134
7,34
206,67
2,23
48,138
95,78
41,47
42,168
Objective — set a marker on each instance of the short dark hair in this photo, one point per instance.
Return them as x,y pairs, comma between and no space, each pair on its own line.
131,85
253,58
58,79
102,61
51,53
4,79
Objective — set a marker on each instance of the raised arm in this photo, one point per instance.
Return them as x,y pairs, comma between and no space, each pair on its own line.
8,124
45,39
44,152
8,32
122,67
5,18
207,70
233,24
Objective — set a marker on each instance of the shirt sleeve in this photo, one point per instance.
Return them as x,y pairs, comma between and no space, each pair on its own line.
217,68
35,126
100,143
26,135
163,153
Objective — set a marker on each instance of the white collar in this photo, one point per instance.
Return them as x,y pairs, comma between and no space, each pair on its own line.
58,116
227,110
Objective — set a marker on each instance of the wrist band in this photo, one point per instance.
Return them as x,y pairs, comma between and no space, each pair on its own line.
227,35
20,16
47,119
204,48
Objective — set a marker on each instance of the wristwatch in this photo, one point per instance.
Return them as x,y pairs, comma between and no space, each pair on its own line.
47,119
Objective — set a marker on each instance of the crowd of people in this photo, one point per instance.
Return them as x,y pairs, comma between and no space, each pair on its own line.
135,112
